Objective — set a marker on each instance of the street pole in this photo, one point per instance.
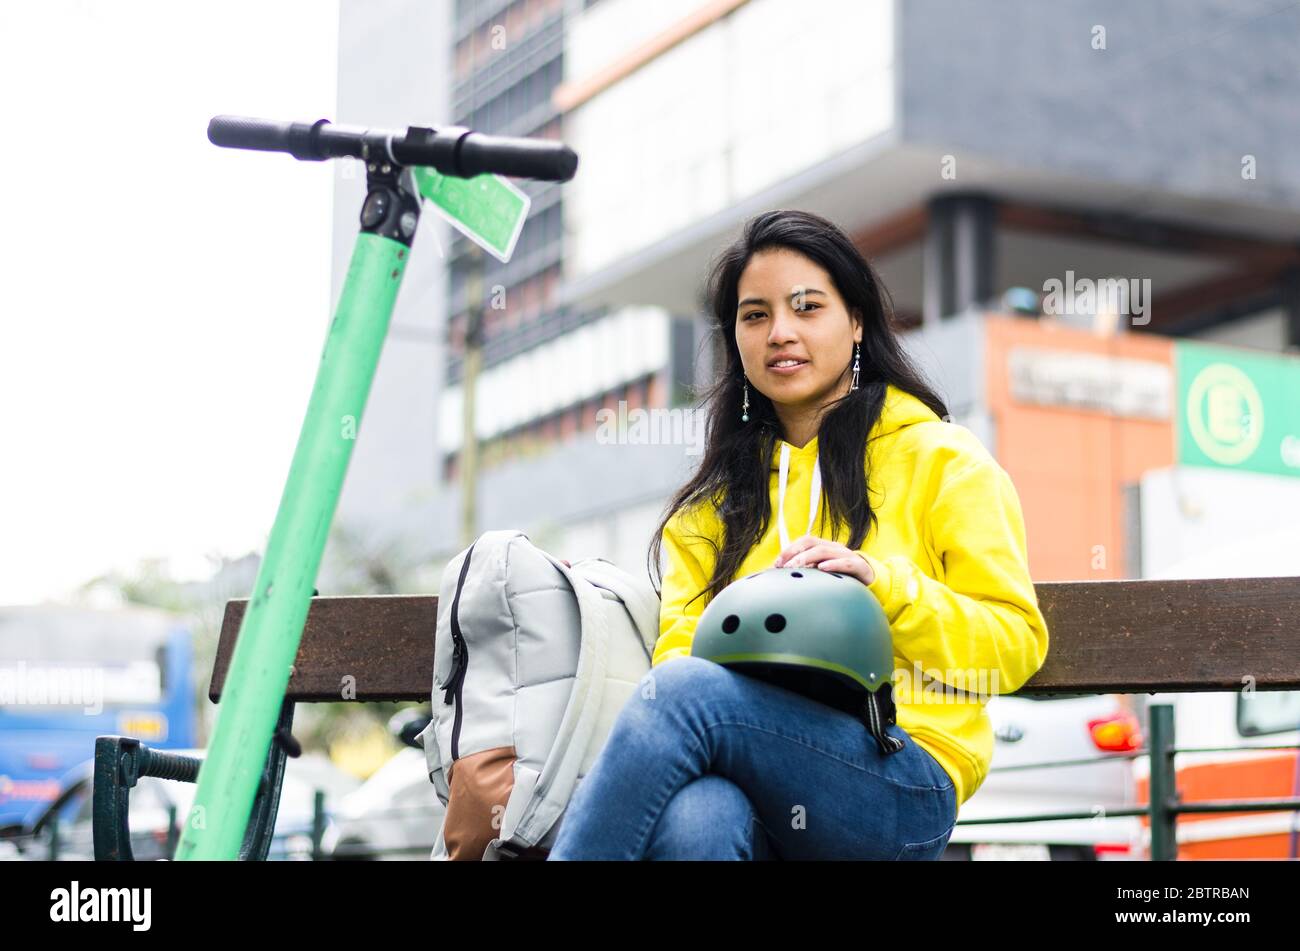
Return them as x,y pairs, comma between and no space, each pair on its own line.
472,363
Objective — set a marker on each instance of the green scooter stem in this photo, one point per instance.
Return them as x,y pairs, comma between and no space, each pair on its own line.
277,610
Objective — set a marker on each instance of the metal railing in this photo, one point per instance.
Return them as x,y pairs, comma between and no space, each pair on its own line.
1164,804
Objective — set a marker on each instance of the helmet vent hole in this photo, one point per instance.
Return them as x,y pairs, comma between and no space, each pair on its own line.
730,623
796,574
775,623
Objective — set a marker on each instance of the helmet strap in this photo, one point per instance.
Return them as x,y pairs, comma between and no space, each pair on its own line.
877,713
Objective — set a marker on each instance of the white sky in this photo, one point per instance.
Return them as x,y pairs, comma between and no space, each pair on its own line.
163,302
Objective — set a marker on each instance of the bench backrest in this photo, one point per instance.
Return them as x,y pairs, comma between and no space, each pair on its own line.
1106,637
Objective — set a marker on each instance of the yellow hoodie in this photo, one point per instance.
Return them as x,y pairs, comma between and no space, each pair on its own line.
951,574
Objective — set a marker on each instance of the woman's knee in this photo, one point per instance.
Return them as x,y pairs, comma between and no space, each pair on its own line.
682,678
708,818
665,707
674,695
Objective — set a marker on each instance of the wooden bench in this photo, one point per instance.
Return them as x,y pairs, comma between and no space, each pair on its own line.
1106,637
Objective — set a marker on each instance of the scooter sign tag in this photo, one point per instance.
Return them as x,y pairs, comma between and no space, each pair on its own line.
487,209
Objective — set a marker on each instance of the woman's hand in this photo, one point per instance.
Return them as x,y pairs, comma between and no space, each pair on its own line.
827,556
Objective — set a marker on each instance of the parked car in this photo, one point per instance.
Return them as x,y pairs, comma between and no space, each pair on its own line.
1042,730
394,815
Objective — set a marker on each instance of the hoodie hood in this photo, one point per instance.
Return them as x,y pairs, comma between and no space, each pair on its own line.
901,409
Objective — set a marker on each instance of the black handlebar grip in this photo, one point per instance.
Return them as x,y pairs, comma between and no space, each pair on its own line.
267,135
517,158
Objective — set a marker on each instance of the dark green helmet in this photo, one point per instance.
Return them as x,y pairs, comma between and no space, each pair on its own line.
819,633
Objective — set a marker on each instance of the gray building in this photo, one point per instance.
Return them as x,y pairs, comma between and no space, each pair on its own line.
968,151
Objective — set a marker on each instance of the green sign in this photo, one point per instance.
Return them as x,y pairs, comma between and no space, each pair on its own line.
1237,409
487,209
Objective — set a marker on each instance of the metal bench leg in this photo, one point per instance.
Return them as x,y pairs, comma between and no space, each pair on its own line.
120,761
261,822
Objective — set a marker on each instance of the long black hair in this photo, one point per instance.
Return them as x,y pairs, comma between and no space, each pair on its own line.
735,472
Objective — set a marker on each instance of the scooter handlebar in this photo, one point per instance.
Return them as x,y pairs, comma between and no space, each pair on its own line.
452,150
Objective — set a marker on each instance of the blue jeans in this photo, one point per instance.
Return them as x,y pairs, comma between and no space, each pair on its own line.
718,765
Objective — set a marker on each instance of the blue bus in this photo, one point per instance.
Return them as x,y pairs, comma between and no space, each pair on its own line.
70,674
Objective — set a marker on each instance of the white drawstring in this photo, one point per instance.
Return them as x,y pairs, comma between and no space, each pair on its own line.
814,494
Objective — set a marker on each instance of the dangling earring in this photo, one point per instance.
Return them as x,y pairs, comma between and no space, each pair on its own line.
855,368
744,418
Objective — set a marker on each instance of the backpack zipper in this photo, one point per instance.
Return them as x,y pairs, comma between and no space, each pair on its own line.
459,659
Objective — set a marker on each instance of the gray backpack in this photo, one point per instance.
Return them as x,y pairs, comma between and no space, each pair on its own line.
533,661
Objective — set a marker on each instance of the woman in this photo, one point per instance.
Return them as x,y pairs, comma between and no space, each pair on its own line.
818,415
